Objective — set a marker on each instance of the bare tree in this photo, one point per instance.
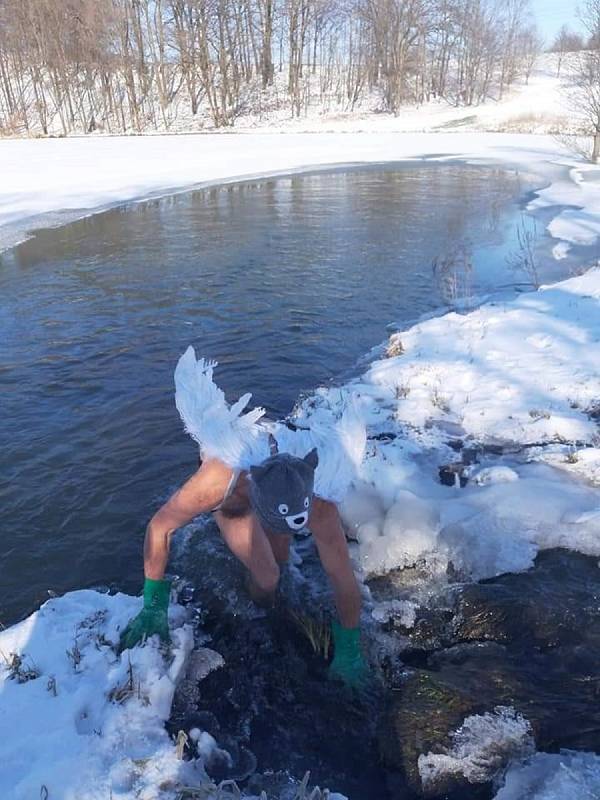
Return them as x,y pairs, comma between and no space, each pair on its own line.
136,65
565,42
529,46
585,95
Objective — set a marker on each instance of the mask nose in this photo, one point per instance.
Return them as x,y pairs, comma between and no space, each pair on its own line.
297,521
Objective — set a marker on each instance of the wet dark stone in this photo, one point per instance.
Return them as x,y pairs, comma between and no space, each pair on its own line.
530,641
420,716
451,473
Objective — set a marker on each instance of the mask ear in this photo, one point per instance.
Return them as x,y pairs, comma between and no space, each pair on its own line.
312,458
257,472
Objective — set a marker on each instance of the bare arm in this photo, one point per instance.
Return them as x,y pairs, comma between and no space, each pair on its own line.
329,537
200,493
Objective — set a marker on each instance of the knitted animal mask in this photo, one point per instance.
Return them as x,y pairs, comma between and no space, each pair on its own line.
281,490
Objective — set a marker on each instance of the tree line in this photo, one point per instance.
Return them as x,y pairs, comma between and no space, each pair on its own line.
135,65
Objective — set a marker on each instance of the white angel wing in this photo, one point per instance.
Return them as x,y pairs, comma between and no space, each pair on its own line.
241,440
222,431
340,444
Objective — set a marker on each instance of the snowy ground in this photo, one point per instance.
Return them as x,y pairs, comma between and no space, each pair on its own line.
537,105
520,378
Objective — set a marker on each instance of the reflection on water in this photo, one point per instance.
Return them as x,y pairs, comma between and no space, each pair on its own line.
286,282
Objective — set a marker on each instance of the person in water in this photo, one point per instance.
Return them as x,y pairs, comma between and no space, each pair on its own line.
257,511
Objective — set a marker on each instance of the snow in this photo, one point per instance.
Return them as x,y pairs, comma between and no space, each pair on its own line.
482,745
535,356
85,723
555,776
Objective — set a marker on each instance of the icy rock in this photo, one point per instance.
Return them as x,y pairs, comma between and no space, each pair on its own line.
210,751
402,611
489,475
363,505
408,533
482,547
414,521
202,661
418,718
481,747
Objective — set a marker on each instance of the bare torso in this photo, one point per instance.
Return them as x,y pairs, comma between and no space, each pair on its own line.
261,552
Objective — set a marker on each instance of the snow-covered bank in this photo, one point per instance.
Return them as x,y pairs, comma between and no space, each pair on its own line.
538,104
47,182
508,397
80,721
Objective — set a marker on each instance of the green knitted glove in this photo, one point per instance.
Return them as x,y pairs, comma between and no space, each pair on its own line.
348,664
152,618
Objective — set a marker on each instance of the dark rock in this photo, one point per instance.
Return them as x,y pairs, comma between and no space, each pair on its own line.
420,717
530,641
453,474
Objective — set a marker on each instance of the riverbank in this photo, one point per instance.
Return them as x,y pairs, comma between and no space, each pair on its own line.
53,181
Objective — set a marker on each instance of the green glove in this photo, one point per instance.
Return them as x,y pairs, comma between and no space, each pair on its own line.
152,618
348,663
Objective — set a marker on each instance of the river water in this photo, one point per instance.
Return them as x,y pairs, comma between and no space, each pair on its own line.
285,281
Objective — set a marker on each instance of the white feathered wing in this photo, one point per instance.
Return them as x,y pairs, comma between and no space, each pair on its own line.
241,440
340,445
221,431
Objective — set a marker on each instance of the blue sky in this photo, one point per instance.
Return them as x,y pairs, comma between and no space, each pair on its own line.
550,15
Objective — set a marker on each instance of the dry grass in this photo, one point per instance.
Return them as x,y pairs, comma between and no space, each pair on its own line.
181,743
74,655
531,122
123,691
394,348
316,630
18,670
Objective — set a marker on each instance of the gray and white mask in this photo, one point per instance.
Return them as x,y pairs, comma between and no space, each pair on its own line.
281,491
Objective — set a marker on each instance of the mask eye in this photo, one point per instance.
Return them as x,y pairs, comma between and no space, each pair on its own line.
306,502
283,509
